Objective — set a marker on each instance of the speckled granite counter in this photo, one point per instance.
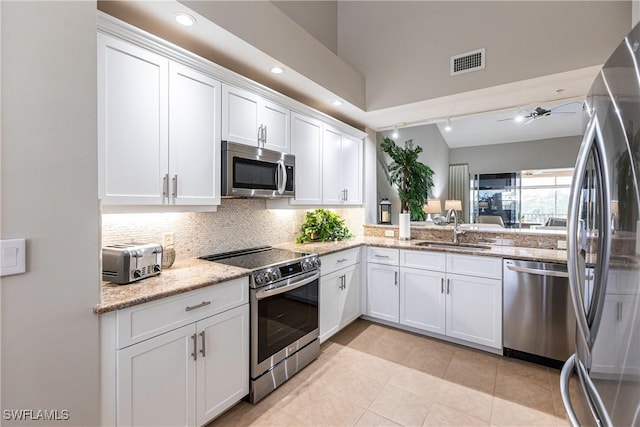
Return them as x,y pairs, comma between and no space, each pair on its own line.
511,252
193,274
183,276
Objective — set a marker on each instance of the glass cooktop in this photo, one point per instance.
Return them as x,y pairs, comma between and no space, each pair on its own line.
255,258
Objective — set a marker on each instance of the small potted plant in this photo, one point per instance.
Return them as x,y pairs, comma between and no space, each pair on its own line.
322,225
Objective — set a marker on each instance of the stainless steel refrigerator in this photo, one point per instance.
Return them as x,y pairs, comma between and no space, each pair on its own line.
600,383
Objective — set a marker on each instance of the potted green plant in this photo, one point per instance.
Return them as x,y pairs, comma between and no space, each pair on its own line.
323,225
413,179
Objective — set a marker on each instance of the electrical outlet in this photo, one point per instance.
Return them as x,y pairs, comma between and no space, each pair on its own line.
168,239
562,244
388,233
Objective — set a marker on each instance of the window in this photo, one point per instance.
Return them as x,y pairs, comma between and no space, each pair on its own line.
544,196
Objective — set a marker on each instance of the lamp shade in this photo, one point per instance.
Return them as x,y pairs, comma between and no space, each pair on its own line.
456,205
432,206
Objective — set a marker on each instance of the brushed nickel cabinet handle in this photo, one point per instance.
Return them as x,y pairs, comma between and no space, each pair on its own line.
193,307
175,186
342,260
448,286
165,186
195,345
264,138
396,278
202,340
442,285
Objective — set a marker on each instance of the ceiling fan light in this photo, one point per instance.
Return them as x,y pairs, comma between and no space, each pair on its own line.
519,118
448,127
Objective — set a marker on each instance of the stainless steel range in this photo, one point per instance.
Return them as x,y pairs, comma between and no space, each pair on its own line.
284,313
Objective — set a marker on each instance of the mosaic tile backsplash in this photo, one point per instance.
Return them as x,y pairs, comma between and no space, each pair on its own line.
238,224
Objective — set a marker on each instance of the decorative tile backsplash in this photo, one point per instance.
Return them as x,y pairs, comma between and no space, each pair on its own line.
238,224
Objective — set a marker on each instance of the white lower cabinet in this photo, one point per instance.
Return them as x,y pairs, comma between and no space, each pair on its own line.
339,292
185,376
422,299
383,292
474,309
424,290
614,352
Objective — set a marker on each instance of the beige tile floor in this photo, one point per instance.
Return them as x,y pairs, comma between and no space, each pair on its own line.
372,375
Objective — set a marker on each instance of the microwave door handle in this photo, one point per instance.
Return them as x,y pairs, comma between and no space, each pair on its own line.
281,177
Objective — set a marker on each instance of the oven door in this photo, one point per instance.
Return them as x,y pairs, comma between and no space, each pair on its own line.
284,318
255,172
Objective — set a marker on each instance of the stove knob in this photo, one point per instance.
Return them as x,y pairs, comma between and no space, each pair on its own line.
259,279
276,275
306,265
136,274
316,262
267,277
156,268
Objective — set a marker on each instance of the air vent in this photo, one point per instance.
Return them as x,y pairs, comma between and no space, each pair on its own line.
467,62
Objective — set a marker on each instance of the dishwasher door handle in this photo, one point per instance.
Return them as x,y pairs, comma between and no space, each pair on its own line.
542,272
538,271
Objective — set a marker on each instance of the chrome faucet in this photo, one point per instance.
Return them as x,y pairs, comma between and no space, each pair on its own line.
456,231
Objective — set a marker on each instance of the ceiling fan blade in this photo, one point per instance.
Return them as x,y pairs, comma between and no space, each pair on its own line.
529,121
553,113
564,105
506,120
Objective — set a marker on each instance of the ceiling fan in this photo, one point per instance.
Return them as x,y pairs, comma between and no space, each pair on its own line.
538,113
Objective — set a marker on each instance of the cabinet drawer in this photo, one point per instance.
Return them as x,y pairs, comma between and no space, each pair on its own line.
425,260
141,322
470,265
338,260
383,255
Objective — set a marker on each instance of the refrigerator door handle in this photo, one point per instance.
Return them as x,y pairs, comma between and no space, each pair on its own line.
573,225
565,375
588,321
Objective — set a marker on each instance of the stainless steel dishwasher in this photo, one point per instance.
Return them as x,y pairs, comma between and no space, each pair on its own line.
538,321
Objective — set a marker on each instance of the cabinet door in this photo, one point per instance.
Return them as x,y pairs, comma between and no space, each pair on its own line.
352,170
329,290
332,188
240,115
306,137
223,362
629,337
275,120
132,123
422,299
606,347
474,309
194,137
156,384
383,292
349,298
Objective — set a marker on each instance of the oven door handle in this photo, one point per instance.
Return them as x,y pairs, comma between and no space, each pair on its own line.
287,288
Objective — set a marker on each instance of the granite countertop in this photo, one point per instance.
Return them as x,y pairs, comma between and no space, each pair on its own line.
183,276
188,275
527,254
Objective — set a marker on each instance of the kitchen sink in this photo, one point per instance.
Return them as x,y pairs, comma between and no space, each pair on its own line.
459,246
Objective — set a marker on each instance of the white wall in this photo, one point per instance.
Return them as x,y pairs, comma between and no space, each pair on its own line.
435,154
516,156
318,18
635,12
523,40
50,351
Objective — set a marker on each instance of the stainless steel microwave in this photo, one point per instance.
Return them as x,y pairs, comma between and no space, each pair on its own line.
255,172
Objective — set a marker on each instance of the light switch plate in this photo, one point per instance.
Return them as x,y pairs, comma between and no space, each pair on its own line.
388,233
562,244
13,258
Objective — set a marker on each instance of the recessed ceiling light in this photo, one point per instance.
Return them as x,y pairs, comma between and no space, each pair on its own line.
277,70
395,132
185,19
337,102
448,128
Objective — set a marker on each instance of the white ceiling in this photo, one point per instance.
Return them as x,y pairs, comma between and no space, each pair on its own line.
465,109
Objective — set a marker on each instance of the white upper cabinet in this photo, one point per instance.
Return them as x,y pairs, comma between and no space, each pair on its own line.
158,129
132,123
275,126
249,119
341,168
194,135
306,146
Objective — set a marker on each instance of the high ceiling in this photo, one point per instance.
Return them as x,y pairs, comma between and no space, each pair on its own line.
244,42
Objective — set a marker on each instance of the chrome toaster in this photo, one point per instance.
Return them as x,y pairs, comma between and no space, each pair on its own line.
130,262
